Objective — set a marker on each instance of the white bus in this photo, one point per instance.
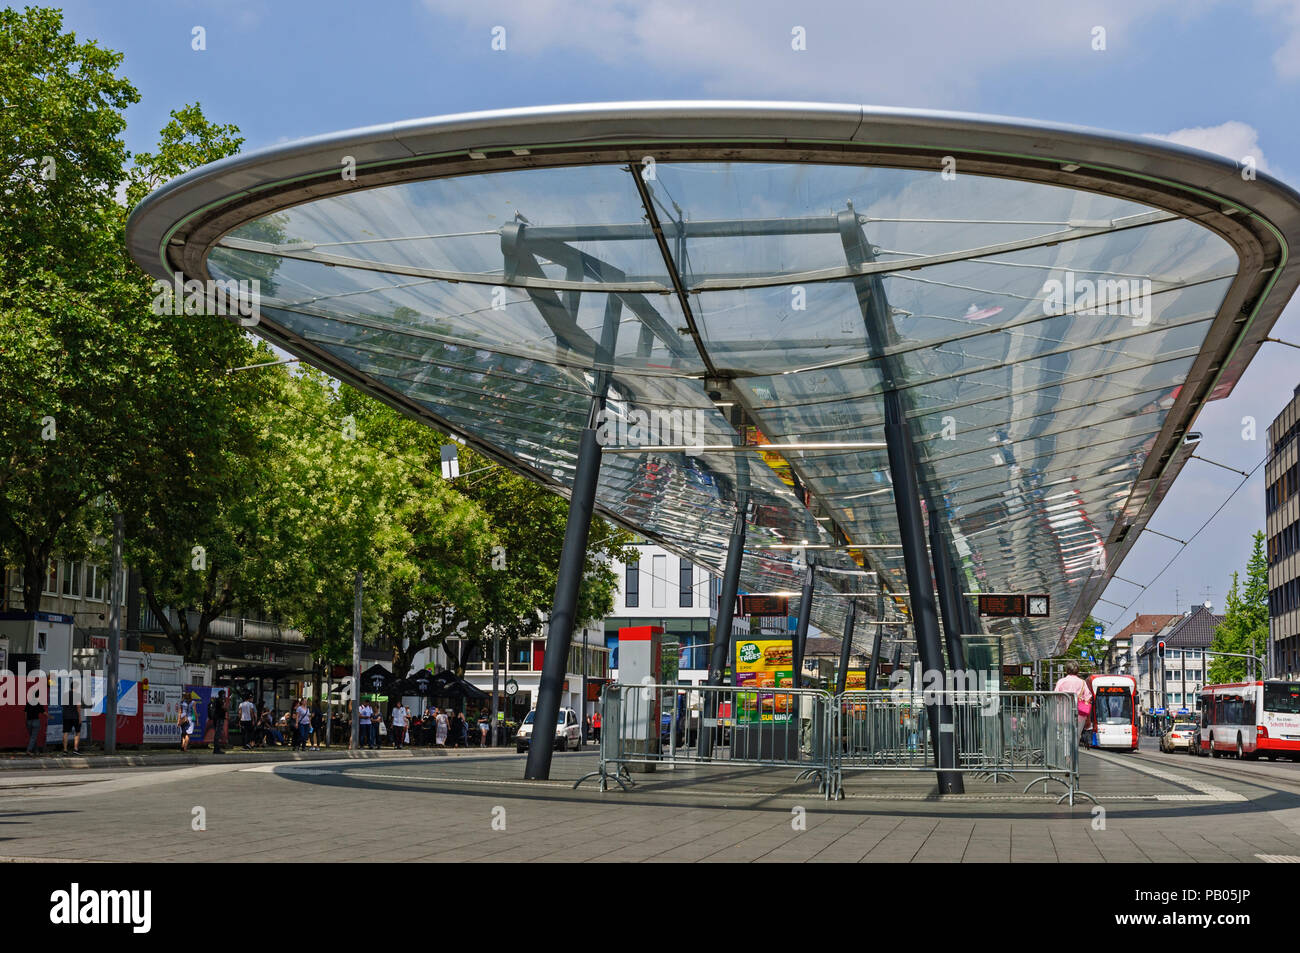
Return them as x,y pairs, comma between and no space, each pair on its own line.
1251,718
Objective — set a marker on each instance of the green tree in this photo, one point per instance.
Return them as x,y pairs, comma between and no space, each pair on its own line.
1087,647
73,371
1244,629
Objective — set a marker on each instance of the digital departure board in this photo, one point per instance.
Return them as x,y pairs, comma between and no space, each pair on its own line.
1002,605
764,605
1014,605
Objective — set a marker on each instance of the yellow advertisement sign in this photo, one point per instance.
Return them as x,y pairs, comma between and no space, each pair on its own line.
764,664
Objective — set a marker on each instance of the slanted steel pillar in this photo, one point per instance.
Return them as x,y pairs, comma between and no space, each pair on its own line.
907,504
801,628
949,597
722,648
846,645
560,632
873,668
876,319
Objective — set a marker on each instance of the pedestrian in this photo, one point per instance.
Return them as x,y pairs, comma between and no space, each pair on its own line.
483,729
32,711
247,714
72,725
441,721
462,730
399,725
302,721
317,725
586,730
364,714
1072,683
595,725
217,719
406,738
185,720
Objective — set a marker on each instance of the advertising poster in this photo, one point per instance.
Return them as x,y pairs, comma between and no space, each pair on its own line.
127,696
161,703
855,680
764,665
199,696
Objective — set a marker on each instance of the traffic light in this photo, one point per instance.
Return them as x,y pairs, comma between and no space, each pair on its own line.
1160,647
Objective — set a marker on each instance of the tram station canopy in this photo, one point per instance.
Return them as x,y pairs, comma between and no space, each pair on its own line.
1054,305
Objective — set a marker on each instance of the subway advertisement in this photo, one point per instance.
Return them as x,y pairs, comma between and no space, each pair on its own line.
764,665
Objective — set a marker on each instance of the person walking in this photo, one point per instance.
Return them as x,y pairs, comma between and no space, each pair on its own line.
441,722
317,726
483,729
302,716
247,715
595,725
217,718
399,725
1076,686
72,725
185,716
32,711
364,714
462,730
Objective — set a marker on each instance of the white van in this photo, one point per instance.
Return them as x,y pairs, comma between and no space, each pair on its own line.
568,731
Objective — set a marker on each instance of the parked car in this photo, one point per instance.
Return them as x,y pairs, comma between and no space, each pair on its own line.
568,731
1179,735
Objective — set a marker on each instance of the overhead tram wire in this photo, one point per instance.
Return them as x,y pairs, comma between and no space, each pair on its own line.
1190,539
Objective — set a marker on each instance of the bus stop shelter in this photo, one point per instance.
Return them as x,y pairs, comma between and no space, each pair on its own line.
879,360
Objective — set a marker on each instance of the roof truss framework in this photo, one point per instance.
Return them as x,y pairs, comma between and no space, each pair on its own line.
385,282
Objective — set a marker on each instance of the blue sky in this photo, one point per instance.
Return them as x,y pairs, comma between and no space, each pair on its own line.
1224,76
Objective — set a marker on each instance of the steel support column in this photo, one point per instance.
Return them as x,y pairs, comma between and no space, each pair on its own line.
949,597
846,646
925,619
722,635
801,628
559,633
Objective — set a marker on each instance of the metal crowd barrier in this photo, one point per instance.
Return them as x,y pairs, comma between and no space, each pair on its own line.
646,727
996,735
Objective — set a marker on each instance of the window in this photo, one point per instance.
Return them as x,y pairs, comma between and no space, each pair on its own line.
632,585
72,579
1173,654
685,584
51,587
659,582
96,582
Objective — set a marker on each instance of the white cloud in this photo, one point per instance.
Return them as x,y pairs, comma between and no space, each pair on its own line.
927,52
1286,60
1232,139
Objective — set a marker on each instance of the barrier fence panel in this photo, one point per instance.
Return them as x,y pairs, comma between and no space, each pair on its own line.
646,727
998,735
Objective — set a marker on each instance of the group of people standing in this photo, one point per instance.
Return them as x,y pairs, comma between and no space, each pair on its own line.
445,728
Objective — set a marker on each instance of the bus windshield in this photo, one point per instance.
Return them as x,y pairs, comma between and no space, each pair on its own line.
1282,697
1114,706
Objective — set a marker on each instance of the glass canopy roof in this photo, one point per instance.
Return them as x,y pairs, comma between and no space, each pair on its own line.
1040,334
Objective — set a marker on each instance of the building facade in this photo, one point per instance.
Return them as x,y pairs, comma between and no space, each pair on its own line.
1170,686
1282,528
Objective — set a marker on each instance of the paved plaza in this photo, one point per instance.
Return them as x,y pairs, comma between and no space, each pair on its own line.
476,808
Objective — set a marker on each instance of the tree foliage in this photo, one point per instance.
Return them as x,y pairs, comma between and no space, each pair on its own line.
1244,629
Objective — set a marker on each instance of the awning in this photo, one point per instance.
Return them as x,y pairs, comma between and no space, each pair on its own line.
1055,306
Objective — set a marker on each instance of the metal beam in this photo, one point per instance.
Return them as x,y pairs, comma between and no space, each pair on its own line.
726,612
846,646
801,628
907,499
560,632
